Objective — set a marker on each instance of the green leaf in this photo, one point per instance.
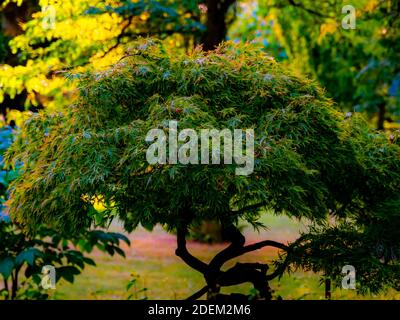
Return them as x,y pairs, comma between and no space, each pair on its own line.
68,273
130,284
121,237
28,256
6,267
147,225
120,251
89,261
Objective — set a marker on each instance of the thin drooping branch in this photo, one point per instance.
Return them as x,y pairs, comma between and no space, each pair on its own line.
250,208
132,35
247,272
309,10
119,37
185,255
199,293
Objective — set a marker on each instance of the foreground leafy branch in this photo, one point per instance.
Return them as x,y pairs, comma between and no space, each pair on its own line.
22,257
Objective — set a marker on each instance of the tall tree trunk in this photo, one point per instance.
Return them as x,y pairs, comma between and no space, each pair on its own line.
328,293
381,116
254,273
216,23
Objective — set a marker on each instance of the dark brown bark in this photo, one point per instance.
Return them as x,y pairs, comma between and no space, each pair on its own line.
381,116
14,283
216,23
184,254
328,289
247,272
255,273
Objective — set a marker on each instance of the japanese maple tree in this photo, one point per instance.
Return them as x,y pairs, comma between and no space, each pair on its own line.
310,162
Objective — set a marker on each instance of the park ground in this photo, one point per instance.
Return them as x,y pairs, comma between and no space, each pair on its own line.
162,275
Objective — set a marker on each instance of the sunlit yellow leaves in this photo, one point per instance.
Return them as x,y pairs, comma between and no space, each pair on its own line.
49,2
371,5
144,16
86,29
11,79
6,2
327,28
99,203
277,28
45,78
37,83
99,61
18,117
32,78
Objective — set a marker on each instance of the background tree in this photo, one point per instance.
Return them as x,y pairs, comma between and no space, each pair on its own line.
358,67
311,162
90,34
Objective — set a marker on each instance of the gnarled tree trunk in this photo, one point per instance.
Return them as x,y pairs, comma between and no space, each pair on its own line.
254,273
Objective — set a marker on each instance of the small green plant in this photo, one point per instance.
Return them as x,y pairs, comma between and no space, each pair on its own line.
22,257
135,291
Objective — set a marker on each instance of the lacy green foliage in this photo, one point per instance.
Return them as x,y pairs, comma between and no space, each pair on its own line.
24,254
99,147
366,230
373,252
310,160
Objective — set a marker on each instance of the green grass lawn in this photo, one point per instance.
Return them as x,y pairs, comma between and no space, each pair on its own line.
151,258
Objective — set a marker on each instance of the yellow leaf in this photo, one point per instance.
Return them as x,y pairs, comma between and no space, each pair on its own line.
149,169
326,28
145,16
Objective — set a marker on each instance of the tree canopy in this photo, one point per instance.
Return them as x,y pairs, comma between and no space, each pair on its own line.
311,161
